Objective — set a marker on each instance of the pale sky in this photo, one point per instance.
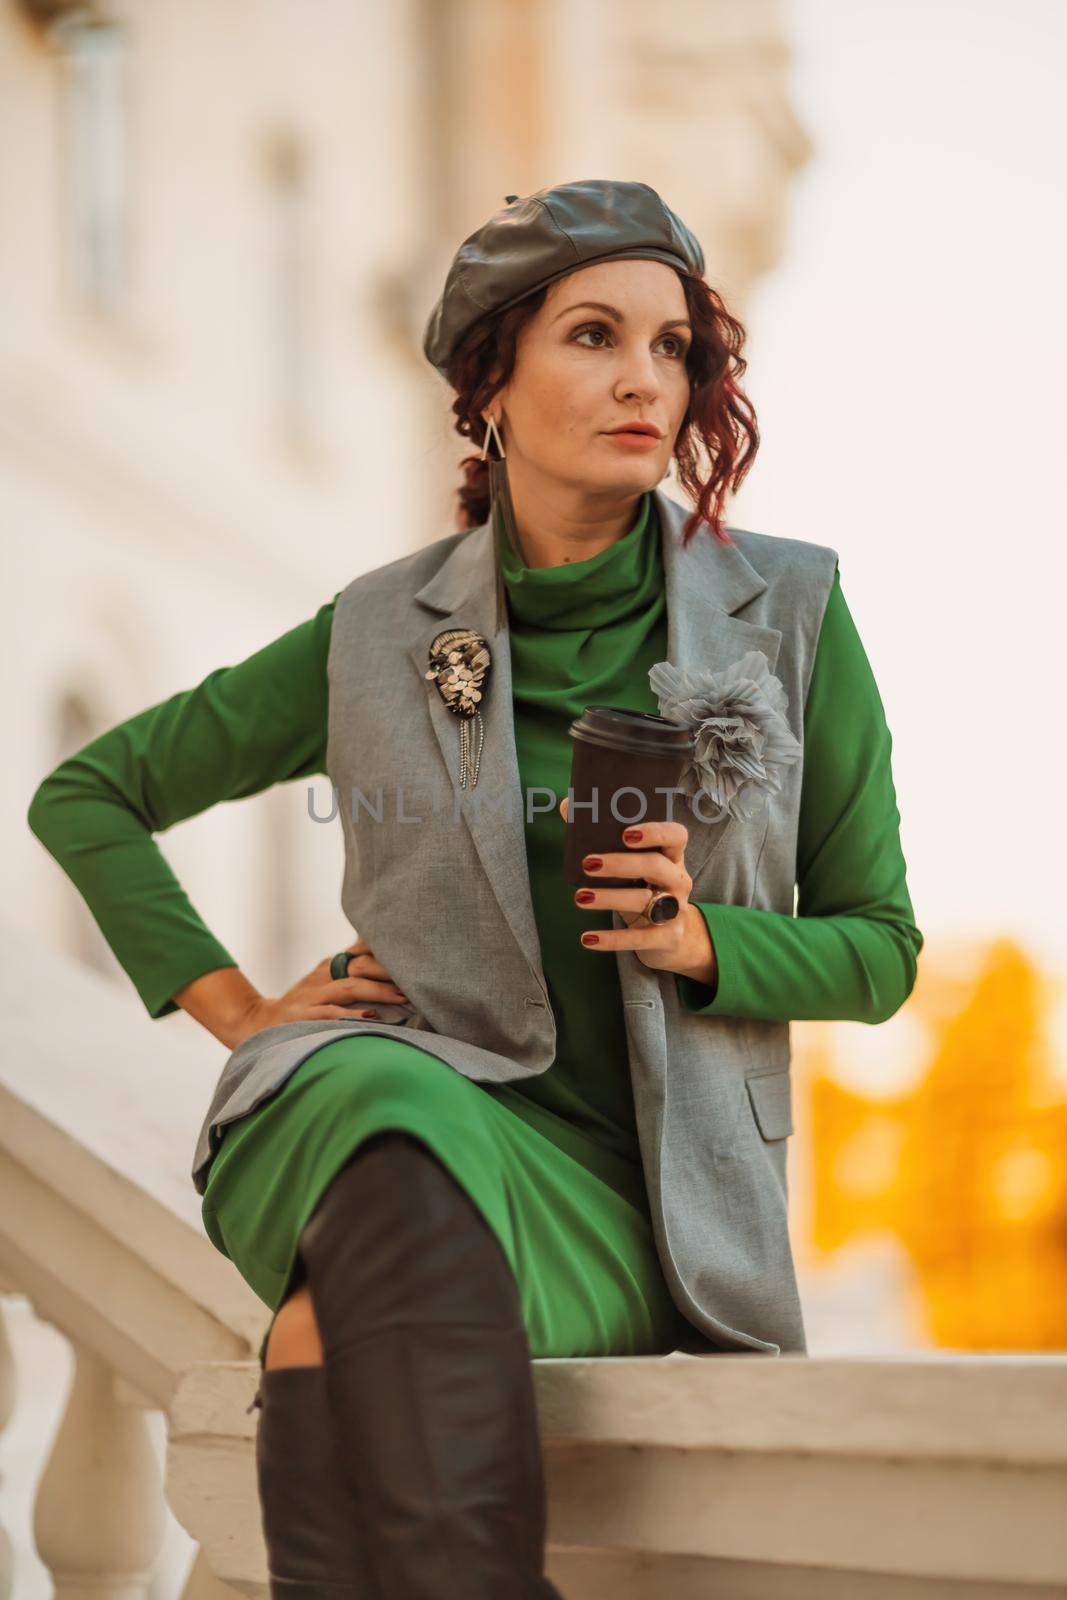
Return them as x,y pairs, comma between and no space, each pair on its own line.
906,364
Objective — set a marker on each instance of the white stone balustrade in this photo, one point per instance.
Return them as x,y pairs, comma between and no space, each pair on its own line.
100,1229
928,1477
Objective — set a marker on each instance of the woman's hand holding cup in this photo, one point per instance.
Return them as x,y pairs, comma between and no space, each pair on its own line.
655,853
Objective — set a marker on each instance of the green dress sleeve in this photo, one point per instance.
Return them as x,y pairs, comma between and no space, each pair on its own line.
241,730
851,952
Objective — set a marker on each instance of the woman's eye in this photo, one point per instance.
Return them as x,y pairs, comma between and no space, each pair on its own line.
680,345
678,352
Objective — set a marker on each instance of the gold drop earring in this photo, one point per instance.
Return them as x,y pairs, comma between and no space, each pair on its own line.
499,497
491,430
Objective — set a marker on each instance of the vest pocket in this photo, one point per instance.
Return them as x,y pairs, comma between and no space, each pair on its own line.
771,1094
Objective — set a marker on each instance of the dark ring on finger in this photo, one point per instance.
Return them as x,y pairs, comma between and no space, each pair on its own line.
662,907
339,964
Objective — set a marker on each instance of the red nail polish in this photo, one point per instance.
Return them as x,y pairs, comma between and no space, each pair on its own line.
591,863
585,897
368,1013
590,938
632,835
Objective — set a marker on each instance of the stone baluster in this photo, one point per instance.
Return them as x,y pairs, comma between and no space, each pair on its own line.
99,1518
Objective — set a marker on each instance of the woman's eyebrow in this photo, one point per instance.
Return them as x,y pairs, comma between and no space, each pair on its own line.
617,316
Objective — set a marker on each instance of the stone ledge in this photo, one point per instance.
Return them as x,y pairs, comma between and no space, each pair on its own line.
924,1475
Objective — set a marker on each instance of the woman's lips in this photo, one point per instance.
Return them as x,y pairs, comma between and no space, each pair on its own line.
635,441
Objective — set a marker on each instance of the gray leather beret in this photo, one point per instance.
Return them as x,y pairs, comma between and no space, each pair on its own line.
534,241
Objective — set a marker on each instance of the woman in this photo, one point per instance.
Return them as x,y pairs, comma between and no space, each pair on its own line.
515,1118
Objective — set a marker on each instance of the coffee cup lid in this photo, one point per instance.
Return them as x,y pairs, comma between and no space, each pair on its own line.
641,732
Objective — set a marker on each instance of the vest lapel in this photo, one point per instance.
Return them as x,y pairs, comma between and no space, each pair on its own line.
705,585
462,594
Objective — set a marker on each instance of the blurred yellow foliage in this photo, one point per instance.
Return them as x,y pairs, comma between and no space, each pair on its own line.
967,1169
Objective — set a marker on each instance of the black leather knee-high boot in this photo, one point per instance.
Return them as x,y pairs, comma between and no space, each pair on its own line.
428,1369
316,1545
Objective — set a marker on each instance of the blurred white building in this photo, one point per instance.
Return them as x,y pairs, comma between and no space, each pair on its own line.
224,227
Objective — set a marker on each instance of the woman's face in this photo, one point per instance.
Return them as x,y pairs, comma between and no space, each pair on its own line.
582,370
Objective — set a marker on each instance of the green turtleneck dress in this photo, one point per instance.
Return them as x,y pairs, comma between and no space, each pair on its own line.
552,1161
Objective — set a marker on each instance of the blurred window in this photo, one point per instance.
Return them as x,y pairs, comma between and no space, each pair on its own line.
93,57
286,165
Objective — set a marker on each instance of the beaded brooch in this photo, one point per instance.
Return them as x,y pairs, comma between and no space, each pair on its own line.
459,662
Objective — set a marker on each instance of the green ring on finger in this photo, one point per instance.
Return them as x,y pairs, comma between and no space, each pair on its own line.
339,964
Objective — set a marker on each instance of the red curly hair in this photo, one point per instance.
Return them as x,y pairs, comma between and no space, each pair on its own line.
718,438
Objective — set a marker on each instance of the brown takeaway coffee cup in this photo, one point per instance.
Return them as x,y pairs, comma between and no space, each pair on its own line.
620,758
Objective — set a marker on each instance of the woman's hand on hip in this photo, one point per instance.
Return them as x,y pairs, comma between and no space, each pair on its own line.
317,995
655,852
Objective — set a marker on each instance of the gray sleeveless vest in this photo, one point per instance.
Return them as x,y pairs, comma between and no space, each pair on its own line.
436,880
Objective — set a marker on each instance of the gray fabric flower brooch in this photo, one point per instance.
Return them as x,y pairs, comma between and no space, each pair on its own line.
743,738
